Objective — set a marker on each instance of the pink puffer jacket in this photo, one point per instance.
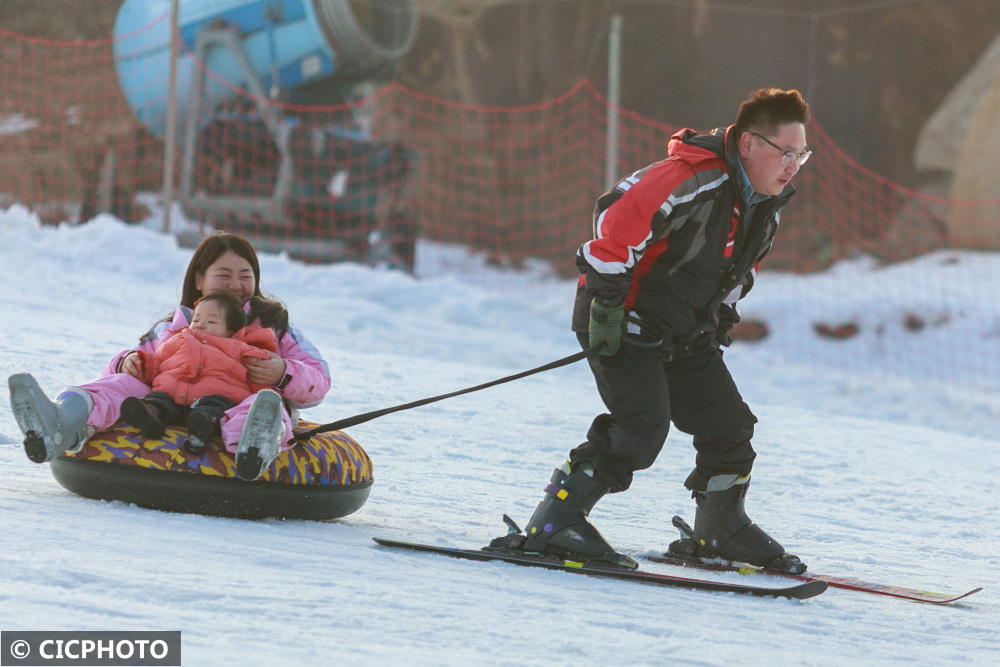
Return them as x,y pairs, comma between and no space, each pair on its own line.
191,364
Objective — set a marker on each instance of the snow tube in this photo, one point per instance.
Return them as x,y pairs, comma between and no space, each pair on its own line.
325,477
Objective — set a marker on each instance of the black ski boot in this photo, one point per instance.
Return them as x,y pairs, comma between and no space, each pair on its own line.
145,416
723,530
202,425
559,525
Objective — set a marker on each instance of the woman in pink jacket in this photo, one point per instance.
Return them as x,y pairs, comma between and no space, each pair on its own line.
256,429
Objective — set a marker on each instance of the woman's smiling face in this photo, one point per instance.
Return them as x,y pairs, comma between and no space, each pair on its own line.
230,273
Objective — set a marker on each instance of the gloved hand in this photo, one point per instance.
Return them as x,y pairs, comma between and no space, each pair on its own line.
606,326
727,318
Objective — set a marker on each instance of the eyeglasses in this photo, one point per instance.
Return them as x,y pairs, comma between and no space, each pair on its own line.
787,157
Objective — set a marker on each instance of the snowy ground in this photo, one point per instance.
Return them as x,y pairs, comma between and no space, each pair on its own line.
887,476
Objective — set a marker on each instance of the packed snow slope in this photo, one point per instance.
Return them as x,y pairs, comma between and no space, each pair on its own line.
885,472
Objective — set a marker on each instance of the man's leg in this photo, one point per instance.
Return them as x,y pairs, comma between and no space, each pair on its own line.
633,387
629,437
706,403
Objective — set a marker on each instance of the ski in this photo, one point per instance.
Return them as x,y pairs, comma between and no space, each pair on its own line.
800,591
847,583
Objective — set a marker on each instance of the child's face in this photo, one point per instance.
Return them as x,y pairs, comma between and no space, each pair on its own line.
209,318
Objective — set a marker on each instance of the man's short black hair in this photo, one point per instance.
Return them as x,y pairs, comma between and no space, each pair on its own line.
768,108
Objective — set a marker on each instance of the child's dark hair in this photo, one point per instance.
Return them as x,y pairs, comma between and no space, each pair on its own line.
271,313
231,307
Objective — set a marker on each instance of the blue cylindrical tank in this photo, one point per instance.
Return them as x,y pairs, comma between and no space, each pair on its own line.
289,43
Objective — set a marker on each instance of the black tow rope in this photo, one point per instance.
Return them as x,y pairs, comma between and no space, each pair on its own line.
368,416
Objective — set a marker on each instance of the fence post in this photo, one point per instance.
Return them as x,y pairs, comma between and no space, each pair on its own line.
614,85
812,58
171,129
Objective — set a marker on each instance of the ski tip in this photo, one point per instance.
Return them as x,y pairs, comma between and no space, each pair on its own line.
956,598
930,597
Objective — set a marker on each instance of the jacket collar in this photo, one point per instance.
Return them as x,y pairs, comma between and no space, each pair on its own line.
722,143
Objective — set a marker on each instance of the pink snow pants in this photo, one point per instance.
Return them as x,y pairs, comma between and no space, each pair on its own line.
109,392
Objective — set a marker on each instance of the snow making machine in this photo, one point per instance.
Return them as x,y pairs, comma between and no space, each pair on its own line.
272,142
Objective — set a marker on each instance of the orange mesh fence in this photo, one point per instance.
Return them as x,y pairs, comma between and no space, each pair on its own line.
512,183
366,179
61,113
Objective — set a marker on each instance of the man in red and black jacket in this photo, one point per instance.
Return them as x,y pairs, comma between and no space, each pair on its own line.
675,246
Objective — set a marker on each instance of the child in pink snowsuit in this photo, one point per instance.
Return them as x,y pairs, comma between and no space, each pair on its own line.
199,373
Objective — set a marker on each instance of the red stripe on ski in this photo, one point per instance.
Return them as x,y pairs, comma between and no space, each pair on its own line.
847,583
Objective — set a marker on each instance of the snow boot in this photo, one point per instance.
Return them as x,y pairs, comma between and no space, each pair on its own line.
202,425
143,415
49,428
722,529
559,525
262,435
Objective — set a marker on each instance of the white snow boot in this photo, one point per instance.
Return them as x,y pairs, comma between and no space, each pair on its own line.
262,435
49,428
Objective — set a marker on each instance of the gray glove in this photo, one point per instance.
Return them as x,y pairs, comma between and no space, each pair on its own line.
606,324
